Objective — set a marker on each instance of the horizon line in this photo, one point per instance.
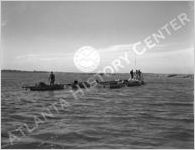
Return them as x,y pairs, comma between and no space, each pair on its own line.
17,70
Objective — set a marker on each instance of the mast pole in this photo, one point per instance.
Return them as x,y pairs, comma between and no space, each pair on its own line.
135,62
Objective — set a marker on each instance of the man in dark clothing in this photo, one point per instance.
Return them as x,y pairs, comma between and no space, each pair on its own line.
52,78
139,74
131,73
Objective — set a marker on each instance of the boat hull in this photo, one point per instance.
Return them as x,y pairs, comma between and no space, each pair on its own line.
46,87
120,84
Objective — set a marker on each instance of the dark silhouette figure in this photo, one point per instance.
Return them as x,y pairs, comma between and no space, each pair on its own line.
131,73
136,75
52,78
139,74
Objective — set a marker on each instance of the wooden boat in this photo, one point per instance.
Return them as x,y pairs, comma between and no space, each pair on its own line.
134,83
120,83
45,87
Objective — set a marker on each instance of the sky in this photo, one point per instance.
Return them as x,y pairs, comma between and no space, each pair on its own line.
45,35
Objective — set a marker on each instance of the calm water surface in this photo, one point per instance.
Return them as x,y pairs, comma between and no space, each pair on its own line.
156,115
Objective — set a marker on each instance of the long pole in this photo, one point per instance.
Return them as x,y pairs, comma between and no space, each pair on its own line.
135,62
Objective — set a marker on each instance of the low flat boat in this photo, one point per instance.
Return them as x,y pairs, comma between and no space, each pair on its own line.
120,83
134,83
45,87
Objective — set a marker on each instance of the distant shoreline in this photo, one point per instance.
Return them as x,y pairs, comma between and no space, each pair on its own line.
10,70
35,71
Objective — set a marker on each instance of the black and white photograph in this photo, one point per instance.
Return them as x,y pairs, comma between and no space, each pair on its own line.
97,74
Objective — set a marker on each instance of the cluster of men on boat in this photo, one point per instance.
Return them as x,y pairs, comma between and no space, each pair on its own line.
137,75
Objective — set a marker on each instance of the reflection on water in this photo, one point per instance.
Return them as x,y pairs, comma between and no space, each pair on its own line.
156,115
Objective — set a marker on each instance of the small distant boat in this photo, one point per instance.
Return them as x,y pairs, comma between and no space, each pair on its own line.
45,87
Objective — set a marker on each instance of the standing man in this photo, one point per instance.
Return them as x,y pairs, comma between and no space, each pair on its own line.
136,75
139,75
131,73
51,78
